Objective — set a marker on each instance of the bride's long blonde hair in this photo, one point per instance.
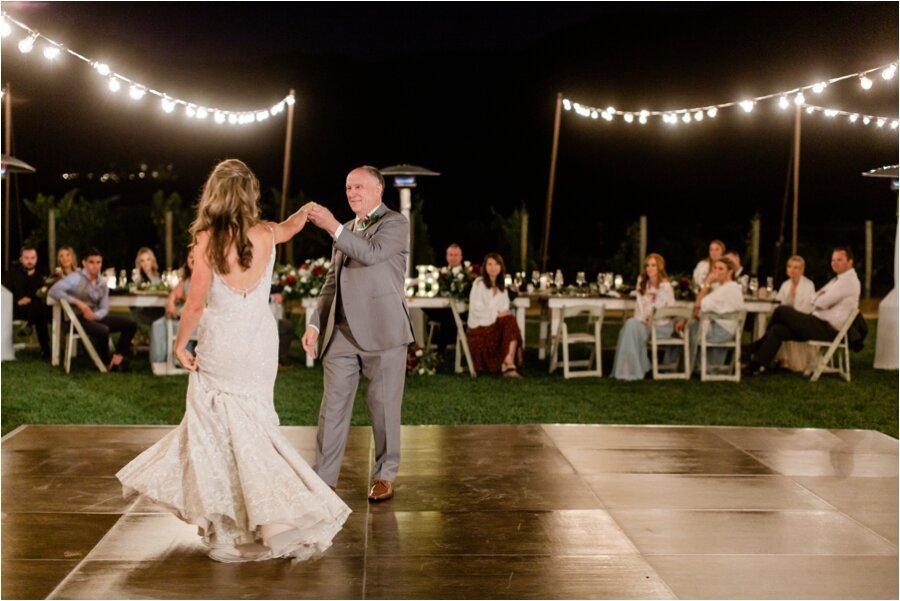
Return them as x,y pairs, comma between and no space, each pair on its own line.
228,208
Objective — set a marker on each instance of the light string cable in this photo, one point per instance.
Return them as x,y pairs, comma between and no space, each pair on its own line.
53,50
797,96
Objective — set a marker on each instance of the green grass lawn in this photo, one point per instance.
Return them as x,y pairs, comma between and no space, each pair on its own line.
33,392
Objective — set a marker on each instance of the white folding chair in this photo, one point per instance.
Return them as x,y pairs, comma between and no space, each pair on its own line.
462,343
77,334
31,340
683,342
836,358
731,372
591,336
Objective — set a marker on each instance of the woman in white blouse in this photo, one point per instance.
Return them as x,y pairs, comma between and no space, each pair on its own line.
720,295
703,269
653,290
495,341
798,292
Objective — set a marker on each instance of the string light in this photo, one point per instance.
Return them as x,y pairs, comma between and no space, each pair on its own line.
784,98
54,50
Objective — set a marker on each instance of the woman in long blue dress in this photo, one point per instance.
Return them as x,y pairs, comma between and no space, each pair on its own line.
632,361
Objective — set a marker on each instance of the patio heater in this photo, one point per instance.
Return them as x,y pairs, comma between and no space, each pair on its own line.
405,180
887,333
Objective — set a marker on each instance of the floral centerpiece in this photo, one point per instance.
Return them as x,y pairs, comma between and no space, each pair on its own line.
304,281
421,362
51,279
683,288
456,282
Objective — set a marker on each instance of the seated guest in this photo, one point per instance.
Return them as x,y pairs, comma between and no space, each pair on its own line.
720,295
494,338
653,291
445,334
798,292
66,260
832,305
146,267
159,342
735,258
285,329
24,282
703,268
146,272
86,291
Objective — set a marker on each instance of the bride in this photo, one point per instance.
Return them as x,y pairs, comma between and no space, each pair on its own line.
226,468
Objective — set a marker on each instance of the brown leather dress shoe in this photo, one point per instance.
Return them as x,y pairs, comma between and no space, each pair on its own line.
382,490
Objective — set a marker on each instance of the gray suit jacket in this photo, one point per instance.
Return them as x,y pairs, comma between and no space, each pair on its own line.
370,267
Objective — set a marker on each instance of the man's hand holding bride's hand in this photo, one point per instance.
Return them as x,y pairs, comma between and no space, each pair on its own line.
323,218
309,340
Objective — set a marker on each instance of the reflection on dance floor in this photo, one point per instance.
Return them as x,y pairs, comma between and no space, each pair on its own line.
495,511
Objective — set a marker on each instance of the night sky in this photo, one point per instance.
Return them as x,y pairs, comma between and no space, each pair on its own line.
469,90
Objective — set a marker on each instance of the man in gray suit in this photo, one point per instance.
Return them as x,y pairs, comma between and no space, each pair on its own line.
362,308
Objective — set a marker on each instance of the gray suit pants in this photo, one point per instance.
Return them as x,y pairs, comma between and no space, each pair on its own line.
385,372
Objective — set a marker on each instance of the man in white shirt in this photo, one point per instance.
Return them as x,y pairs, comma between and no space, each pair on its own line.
833,304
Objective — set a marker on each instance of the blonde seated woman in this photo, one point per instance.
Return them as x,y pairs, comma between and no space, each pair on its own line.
798,292
66,260
146,271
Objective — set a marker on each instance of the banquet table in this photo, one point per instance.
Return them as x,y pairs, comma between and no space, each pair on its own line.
552,306
149,299
417,304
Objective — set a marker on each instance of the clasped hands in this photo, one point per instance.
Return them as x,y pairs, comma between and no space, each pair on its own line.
321,217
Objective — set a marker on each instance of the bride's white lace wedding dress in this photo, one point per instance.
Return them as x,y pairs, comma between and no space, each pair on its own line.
226,468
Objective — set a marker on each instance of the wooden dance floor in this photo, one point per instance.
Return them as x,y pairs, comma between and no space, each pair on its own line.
544,511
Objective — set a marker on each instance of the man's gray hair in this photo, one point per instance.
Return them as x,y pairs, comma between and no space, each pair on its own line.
373,172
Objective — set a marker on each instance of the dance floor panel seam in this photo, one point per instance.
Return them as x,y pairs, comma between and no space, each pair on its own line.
488,511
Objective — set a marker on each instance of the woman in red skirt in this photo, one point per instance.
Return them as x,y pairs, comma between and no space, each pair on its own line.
494,338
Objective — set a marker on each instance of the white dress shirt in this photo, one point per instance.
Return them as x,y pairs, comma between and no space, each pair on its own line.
803,296
725,298
484,305
701,271
837,299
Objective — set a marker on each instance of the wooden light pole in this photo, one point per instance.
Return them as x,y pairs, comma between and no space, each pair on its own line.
286,176
796,177
545,242
7,185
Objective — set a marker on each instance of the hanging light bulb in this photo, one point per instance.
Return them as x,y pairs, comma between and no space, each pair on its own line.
865,82
783,102
894,124
202,113
866,120
280,107
608,115
26,45
220,117
191,111
567,104
5,29
628,118
698,116
747,105
114,85
102,68
819,87
51,52
262,115
642,119
810,109
799,99
853,118
168,105
232,118
889,72
594,115
879,123
686,118
290,99
136,92
711,112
